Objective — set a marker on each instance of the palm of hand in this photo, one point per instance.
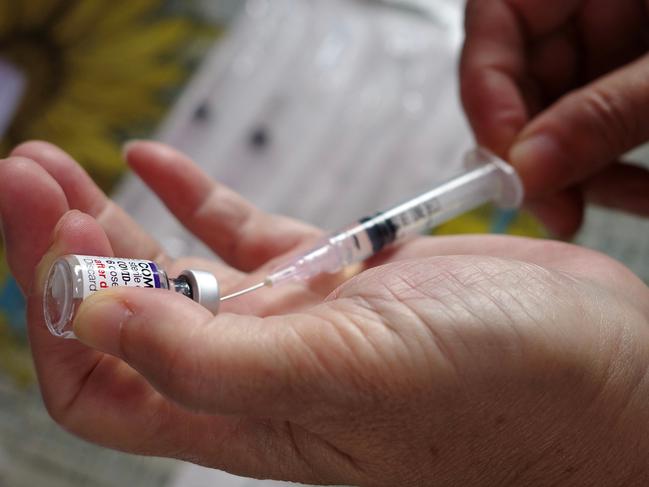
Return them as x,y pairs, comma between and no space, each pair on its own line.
429,365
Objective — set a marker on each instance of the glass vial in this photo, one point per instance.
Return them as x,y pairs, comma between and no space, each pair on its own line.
74,278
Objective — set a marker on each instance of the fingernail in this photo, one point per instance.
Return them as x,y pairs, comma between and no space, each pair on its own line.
535,159
100,320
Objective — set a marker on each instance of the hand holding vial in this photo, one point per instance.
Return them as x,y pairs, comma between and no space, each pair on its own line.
442,358
74,278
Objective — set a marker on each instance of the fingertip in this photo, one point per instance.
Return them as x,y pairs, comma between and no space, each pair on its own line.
32,149
132,147
138,153
56,162
16,166
75,233
24,183
69,218
162,167
176,180
75,228
80,190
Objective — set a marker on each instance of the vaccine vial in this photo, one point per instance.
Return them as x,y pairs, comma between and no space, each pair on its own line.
74,278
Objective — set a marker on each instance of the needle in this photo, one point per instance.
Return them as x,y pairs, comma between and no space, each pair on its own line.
245,291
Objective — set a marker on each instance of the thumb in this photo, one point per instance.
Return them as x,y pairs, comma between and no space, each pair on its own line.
227,364
584,131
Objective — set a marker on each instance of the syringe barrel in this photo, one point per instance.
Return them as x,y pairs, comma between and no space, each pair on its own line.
509,191
488,179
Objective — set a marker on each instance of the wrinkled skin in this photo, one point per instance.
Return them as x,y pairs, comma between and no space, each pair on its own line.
464,361
560,88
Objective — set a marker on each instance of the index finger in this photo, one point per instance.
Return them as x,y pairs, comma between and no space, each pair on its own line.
497,91
492,69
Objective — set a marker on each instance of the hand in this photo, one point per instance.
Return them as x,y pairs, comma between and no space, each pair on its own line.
459,361
561,89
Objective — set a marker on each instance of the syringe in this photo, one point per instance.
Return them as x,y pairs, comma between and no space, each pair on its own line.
486,179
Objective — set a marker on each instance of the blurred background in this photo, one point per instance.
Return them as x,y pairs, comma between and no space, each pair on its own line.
324,110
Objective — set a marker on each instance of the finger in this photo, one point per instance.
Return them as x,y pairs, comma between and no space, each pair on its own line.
498,92
31,204
238,232
584,131
62,364
562,213
102,399
492,74
127,238
622,187
229,364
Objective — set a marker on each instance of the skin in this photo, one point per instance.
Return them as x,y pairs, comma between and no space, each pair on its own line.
454,361
561,90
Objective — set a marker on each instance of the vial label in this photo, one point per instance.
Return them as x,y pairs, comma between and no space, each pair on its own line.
101,273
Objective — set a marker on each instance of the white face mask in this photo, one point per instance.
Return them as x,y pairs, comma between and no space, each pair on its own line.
12,87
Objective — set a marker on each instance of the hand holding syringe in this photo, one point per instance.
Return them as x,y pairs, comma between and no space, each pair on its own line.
488,179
